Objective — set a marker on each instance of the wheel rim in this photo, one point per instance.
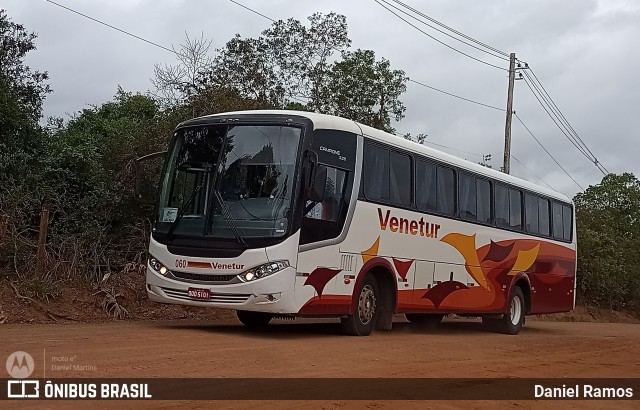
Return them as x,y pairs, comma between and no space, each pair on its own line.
366,305
516,310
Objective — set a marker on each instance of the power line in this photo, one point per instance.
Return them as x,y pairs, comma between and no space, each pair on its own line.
402,134
149,41
548,153
438,30
456,96
113,27
439,41
408,79
453,149
451,94
482,156
544,106
533,173
555,120
570,133
575,134
252,10
431,19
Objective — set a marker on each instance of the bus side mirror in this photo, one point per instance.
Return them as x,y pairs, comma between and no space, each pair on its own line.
317,184
140,183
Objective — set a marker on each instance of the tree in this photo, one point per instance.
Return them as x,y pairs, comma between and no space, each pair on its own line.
244,65
22,93
608,226
420,138
89,173
288,62
302,56
175,83
367,90
291,66
22,141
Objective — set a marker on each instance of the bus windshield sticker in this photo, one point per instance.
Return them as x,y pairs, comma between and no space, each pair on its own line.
169,214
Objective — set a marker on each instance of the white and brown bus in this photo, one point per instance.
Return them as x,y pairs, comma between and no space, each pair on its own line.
294,214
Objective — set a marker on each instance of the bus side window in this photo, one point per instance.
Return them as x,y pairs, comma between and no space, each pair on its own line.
502,206
329,208
531,213
426,192
543,216
567,222
467,195
376,173
446,191
557,221
515,209
324,220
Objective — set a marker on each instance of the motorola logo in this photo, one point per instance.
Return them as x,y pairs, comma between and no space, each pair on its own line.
20,365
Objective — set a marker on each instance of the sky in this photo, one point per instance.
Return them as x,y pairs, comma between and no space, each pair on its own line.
584,52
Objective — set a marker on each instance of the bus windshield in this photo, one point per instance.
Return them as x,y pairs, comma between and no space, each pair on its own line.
229,181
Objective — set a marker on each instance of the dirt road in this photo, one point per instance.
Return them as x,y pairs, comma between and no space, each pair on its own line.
294,349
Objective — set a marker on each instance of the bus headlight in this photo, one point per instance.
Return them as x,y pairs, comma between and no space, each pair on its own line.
263,270
157,266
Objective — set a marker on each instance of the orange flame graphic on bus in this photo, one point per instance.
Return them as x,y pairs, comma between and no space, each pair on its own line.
466,245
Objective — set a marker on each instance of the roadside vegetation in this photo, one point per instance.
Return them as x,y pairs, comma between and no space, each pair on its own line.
80,169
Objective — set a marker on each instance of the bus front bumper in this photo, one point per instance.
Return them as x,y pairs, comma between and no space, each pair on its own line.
273,294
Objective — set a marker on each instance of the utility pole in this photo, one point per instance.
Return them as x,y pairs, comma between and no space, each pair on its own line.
507,127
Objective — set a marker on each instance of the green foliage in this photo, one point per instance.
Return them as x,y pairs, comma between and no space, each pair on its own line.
290,66
22,140
22,92
27,87
608,226
366,90
89,171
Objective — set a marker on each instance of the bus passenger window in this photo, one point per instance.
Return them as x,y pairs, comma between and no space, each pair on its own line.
531,213
543,216
515,209
400,179
484,200
376,174
446,191
467,195
567,220
435,187
502,206
426,186
557,221
329,208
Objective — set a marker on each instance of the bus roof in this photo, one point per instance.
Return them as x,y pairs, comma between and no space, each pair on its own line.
324,121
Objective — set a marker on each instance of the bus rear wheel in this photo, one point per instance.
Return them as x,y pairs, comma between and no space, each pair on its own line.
427,320
363,320
254,320
511,322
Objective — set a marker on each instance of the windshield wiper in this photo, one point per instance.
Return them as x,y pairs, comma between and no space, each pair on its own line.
231,221
183,211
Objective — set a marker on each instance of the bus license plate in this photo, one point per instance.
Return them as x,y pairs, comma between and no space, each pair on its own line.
199,293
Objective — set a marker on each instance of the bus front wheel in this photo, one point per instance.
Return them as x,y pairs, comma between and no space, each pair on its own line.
254,320
363,320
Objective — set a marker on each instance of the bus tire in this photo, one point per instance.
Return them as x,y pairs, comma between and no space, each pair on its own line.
363,320
513,320
254,320
426,320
